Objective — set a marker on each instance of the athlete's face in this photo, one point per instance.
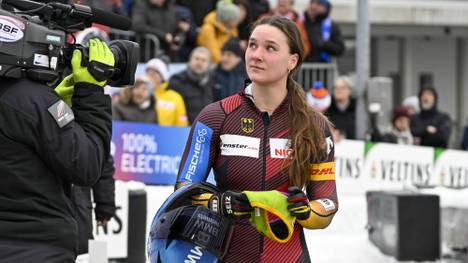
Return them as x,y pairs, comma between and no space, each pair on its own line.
268,59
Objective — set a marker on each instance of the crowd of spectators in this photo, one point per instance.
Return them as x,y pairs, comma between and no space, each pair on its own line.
210,36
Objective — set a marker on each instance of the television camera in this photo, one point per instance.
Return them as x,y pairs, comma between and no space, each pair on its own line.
33,41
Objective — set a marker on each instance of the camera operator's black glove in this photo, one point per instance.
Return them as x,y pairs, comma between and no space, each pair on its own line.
98,52
230,204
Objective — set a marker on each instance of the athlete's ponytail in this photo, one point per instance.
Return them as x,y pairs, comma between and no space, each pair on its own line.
305,134
306,137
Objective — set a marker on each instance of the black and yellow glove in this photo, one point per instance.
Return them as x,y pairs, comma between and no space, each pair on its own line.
95,70
299,206
229,204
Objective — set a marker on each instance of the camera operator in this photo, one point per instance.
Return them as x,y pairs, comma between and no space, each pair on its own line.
45,147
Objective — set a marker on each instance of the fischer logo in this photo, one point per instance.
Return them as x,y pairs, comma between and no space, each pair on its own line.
194,255
198,149
11,30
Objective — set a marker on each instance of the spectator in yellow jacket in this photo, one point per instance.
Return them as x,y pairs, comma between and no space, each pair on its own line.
218,27
170,107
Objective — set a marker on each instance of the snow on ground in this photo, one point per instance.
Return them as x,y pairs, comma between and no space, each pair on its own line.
346,239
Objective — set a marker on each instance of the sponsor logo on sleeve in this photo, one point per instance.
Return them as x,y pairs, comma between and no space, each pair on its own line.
238,145
322,171
247,125
11,30
198,157
328,204
280,148
61,113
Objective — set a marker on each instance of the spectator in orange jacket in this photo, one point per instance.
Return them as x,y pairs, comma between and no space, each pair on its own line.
218,27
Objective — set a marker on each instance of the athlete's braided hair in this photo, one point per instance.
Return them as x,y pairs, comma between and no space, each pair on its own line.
306,137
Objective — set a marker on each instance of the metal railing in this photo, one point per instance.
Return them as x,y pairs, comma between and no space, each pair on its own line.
324,72
149,44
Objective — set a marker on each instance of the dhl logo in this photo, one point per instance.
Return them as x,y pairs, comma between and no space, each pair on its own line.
322,171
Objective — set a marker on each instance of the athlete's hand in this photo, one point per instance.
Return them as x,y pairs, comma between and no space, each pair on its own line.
65,89
100,53
230,204
299,206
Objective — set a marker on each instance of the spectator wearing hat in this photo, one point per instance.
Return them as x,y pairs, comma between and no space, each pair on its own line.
321,37
401,132
195,84
135,104
430,127
218,27
342,111
284,8
170,107
318,97
412,104
230,73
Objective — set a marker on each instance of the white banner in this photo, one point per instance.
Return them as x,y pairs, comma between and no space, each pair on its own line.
451,169
395,163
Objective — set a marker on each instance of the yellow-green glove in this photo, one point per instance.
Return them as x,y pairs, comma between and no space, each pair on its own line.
65,89
98,52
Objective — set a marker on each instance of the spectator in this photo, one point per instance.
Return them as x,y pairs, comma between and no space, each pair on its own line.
465,138
318,97
115,6
412,104
104,198
285,9
245,20
170,107
135,104
160,18
322,38
218,27
230,73
342,111
195,84
431,127
198,8
184,39
257,8
401,132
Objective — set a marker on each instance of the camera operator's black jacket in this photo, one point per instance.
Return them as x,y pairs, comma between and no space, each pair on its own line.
39,160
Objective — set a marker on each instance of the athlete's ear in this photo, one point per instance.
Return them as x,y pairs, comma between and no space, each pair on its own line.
293,60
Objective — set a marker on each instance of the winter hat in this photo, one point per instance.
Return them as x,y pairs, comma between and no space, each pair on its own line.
226,10
430,89
412,102
400,112
318,97
159,66
233,45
